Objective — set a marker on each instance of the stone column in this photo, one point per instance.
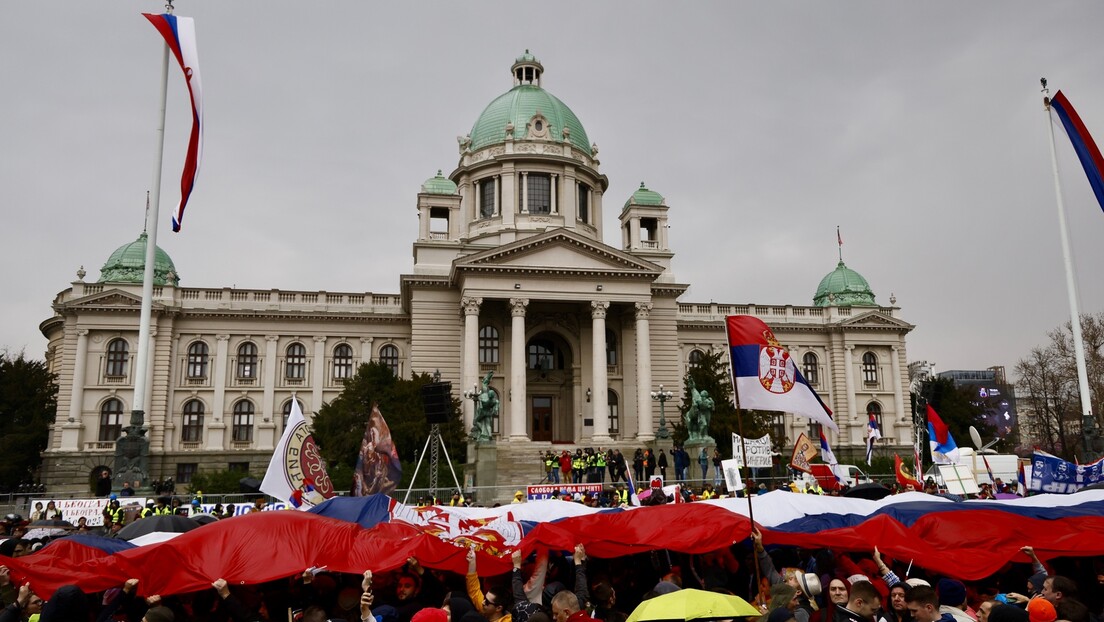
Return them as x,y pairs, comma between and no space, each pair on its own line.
849,382
470,356
365,350
644,431
599,380
553,208
524,192
898,397
516,391
497,190
271,363
319,373
76,399
222,347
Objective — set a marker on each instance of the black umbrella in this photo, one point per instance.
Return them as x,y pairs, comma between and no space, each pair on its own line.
249,485
162,523
204,519
52,523
872,491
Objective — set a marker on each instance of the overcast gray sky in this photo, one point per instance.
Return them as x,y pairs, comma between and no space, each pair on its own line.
917,128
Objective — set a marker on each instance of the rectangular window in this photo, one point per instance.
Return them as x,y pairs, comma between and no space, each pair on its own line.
487,191
540,194
185,471
584,203
243,427
239,467
778,430
192,431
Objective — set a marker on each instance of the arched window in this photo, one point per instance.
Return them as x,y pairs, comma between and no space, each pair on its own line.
870,368
815,430
696,357
192,430
343,362
295,367
118,355
243,422
875,409
111,420
197,360
247,360
488,345
611,348
389,356
287,410
810,368
541,354
614,413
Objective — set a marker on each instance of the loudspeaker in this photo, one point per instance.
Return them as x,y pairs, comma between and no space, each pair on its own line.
437,401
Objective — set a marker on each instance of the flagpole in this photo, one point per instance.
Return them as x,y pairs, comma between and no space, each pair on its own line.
743,450
1087,419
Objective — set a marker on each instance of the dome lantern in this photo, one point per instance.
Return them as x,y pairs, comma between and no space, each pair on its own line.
127,265
527,70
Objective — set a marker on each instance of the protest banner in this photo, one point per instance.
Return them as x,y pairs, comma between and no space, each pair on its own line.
91,510
759,451
1050,473
555,491
804,451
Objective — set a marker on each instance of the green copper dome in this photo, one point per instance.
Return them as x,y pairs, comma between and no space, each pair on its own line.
643,196
439,185
520,104
127,264
843,287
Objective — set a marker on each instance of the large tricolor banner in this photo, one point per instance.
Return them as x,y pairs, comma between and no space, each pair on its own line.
765,376
179,35
1083,144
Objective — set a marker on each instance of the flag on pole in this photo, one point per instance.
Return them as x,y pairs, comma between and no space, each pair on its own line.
803,452
378,468
873,433
296,474
179,35
988,469
1083,144
943,446
829,457
634,499
904,478
765,376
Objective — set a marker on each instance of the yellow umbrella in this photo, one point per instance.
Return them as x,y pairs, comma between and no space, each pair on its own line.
693,605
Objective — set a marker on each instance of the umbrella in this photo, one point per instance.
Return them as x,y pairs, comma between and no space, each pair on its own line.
204,519
52,523
44,532
164,523
873,492
693,605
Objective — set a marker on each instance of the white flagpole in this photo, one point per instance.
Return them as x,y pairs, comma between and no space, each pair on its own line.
1071,286
144,344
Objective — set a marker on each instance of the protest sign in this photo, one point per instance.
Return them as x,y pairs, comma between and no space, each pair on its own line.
759,451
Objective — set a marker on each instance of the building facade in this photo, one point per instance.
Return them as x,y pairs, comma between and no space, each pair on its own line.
512,276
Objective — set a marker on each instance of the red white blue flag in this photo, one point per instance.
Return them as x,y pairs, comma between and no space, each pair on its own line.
1083,144
943,446
179,34
873,433
765,376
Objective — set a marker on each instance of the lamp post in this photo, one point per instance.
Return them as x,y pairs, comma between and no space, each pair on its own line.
662,396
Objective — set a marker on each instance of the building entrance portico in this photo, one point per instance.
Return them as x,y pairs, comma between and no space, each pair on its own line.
551,384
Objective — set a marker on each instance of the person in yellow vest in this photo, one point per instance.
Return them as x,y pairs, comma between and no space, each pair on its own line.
621,495
578,466
552,468
600,466
519,497
456,500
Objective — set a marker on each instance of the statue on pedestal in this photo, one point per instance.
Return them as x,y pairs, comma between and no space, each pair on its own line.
486,409
699,414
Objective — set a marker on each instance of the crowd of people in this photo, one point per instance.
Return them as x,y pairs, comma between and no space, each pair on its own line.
591,466
785,584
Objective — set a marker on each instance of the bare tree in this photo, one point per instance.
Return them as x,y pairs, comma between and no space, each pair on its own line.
1048,391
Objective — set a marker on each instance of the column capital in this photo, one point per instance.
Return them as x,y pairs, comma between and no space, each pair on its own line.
895,347
849,347
222,337
517,306
367,340
82,332
598,309
643,310
272,338
320,339
471,305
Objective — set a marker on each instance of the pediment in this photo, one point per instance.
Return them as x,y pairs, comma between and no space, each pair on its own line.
108,298
561,251
875,318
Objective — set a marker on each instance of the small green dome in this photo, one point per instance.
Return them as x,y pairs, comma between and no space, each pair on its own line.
439,184
843,287
520,104
643,196
127,264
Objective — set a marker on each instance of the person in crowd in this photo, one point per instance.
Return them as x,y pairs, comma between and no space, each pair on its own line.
649,463
862,604
103,484
662,464
604,601
638,465
703,461
897,611
495,603
985,608
578,467
952,599
566,608
717,473
38,513
1041,610
519,497
565,466
126,490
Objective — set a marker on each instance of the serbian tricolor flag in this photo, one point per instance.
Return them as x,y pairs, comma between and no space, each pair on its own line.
765,376
943,446
179,34
873,433
829,457
1083,144
904,478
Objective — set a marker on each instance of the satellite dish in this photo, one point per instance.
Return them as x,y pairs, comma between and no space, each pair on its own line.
975,437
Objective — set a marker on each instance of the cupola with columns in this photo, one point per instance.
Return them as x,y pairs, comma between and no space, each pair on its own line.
644,228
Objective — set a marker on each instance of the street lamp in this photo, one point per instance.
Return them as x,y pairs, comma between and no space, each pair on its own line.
662,396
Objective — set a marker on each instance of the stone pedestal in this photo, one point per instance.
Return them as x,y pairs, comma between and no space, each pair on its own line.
694,448
486,470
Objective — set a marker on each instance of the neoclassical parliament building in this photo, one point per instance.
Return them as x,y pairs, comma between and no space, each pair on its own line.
513,274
